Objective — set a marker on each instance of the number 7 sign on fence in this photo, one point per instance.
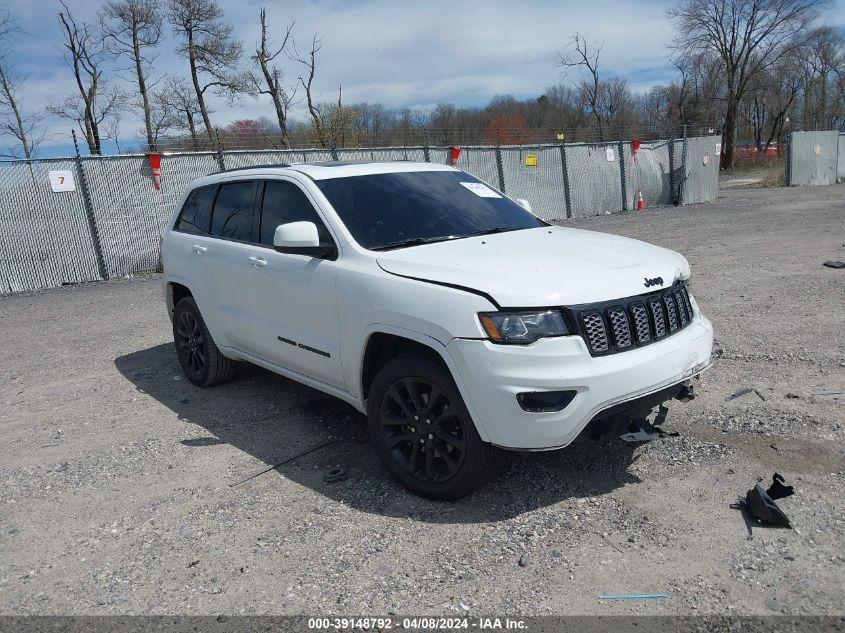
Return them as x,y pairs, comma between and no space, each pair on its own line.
62,180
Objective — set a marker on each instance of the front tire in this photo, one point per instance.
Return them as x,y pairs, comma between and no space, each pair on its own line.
422,431
199,357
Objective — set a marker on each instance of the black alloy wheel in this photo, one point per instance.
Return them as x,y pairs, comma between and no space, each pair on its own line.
201,360
422,430
190,343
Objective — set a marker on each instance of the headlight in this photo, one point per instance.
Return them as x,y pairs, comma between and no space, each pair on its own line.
522,327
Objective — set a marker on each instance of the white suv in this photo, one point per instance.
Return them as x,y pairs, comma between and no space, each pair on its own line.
444,310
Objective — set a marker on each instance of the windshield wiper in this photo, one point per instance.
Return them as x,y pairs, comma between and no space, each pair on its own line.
413,241
497,229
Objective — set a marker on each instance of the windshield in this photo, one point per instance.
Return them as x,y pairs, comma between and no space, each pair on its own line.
393,210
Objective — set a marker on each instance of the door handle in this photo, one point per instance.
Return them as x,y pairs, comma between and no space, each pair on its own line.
258,262
199,250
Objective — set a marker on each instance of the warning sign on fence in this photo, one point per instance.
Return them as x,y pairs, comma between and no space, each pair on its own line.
62,180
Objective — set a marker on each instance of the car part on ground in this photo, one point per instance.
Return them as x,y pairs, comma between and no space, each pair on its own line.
761,504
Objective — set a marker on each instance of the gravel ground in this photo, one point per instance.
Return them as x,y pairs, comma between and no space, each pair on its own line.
117,474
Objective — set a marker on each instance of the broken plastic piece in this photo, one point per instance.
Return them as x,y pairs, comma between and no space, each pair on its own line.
777,490
645,431
762,506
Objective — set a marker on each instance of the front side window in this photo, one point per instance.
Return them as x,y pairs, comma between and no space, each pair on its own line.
285,202
196,214
384,211
233,211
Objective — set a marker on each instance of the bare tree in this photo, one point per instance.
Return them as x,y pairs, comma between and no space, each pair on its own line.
133,28
823,55
178,106
749,36
271,85
586,55
85,55
310,63
21,125
211,51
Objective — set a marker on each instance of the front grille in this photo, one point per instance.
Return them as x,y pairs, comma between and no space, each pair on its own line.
616,326
594,331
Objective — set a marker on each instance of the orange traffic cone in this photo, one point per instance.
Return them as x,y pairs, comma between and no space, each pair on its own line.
640,201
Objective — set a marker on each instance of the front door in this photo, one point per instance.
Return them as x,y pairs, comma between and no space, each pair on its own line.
293,301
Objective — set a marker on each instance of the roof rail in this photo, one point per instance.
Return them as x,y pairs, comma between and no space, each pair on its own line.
265,165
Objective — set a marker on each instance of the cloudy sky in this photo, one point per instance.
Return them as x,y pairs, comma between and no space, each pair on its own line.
403,53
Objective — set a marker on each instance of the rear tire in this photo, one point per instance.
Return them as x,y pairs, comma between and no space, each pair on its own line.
201,361
422,431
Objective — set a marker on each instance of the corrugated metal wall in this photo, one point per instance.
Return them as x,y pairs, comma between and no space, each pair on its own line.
700,182
52,238
812,158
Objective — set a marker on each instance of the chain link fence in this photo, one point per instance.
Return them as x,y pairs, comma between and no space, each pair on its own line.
106,220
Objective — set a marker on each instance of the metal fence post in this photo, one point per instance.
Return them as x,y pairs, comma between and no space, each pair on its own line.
567,196
89,212
672,199
684,158
499,166
788,162
220,160
426,152
622,178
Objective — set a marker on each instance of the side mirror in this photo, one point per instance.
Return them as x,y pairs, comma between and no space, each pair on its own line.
524,204
302,238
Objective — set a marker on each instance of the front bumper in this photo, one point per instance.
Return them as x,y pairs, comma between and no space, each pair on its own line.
492,375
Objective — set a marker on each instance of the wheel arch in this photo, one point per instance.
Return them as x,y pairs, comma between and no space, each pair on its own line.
383,343
175,293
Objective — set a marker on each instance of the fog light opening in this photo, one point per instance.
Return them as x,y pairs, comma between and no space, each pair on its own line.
545,401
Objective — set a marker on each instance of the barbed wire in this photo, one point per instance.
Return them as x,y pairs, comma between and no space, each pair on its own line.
229,139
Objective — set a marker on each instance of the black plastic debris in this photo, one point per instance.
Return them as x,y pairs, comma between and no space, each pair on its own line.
739,393
744,392
335,475
641,430
778,490
761,502
835,264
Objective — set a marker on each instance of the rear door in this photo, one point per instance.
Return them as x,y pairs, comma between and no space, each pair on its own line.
189,241
229,269
295,313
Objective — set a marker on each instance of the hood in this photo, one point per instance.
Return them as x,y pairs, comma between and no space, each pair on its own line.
548,266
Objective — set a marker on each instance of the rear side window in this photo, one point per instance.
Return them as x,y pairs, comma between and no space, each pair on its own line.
196,214
285,202
233,211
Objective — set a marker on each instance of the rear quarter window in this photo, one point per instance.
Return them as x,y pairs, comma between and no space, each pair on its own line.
195,216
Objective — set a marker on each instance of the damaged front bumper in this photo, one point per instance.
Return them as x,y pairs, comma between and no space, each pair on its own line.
492,376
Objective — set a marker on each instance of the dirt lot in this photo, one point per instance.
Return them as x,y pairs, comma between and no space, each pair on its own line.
117,473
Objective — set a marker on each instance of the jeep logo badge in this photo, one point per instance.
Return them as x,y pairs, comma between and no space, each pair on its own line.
656,281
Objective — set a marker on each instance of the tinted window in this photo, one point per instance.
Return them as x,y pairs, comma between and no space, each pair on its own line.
233,209
285,202
196,214
384,210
